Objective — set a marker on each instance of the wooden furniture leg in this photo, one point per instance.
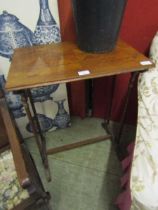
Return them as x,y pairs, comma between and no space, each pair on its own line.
64,147
21,187
39,137
106,122
130,87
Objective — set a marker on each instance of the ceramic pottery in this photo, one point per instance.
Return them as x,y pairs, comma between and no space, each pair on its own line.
98,23
13,34
46,123
46,30
62,118
43,93
13,100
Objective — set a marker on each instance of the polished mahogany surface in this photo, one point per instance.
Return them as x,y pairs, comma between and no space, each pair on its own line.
64,62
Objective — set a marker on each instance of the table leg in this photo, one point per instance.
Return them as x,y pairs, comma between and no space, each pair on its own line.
106,122
130,86
39,137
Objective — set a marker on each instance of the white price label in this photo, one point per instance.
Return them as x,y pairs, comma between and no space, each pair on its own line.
83,72
145,63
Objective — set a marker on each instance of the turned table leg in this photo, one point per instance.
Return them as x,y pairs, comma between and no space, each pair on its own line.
34,122
130,87
106,122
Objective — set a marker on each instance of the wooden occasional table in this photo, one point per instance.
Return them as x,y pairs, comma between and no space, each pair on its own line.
63,62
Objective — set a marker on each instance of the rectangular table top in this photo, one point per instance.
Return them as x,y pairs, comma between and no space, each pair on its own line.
64,62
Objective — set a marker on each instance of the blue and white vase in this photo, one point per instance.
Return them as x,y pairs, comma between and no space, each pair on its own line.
46,30
46,123
62,118
13,34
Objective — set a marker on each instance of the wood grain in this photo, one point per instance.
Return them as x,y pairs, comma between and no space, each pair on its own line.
13,138
57,63
3,134
78,144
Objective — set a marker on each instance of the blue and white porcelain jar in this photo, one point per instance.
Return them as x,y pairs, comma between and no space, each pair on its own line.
13,34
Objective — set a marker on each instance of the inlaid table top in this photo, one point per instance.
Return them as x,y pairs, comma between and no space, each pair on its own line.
64,62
